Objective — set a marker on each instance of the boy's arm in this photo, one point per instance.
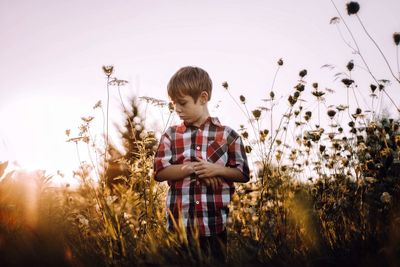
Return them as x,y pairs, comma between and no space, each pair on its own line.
175,172
236,169
204,169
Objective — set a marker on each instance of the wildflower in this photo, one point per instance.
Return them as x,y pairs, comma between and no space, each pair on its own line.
318,94
225,85
272,94
292,100
280,62
97,105
386,198
321,148
245,134
352,8
334,20
256,113
331,113
87,119
347,82
248,149
358,111
108,70
341,107
350,65
299,87
373,88
117,82
396,38
242,99
315,85
303,73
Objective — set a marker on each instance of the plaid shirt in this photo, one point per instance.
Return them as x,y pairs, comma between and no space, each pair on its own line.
189,199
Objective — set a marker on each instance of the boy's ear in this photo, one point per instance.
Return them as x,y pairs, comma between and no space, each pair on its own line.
203,97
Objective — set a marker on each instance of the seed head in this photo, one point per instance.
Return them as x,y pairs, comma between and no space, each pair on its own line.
272,94
108,70
242,99
300,87
396,38
303,73
373,88
350,65
256,113
347,82
280,62
352,8
315,85
331,113
225,85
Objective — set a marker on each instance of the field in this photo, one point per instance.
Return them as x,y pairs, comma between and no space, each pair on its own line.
325,187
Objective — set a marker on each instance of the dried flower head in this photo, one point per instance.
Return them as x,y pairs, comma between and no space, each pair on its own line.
350,65
386,198
108,70
396,38
118,82
97,105
373,88
272,94
334,20
299,87
242,99
331,113
303,73
280,62
256,113
347,82
225,85
352,8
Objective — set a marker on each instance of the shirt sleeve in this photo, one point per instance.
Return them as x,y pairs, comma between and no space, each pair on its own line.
237,155
163,154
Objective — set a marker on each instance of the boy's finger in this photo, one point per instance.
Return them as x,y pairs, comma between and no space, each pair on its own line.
199,159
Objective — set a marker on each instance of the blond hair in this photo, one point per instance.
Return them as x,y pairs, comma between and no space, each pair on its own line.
190,81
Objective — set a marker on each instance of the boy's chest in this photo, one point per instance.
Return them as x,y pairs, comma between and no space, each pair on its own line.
191,144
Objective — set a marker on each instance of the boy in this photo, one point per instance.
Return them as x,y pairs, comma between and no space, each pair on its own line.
200,159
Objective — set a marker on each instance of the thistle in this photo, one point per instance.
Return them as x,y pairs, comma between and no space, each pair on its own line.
303,73
352,8
396,38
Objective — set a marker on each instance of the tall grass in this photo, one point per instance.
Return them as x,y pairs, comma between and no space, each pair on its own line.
325,189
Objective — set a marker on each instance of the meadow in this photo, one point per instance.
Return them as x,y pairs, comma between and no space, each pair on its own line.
325,187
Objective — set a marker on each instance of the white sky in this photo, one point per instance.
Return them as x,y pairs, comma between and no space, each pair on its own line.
52,52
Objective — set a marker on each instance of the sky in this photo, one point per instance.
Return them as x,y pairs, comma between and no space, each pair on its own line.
52,52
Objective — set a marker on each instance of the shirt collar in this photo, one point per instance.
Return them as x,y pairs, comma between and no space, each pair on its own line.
214,120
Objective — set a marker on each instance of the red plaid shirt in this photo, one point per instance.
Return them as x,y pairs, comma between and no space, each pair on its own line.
189,199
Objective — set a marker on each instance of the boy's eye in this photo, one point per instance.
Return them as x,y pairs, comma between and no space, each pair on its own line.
182,103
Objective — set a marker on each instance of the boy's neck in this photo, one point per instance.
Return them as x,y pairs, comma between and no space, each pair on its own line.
202,119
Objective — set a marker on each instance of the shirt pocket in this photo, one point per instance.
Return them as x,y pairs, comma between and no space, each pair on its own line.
217,152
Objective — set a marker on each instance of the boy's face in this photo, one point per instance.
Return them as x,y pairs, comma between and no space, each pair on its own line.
192,113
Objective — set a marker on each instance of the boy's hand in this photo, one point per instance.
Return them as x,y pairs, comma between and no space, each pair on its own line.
208,173
205,169
213,182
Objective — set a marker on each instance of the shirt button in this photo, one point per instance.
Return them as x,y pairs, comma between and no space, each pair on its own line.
198,147
197,202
